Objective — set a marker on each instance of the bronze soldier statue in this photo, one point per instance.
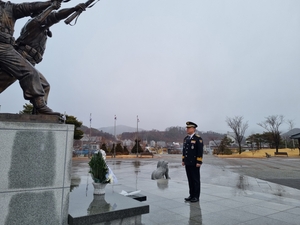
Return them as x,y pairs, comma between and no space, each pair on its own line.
32,41
12,63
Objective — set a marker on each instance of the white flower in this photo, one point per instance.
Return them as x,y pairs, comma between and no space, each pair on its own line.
103,154
111,177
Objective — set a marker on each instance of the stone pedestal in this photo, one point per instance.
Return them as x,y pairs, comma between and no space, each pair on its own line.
35,169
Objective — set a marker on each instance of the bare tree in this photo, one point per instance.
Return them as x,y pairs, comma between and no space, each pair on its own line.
272,124
291,124
239,128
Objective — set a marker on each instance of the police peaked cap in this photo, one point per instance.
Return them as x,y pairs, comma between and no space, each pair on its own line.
191,124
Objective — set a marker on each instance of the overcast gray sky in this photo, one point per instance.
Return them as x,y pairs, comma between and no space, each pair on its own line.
169,61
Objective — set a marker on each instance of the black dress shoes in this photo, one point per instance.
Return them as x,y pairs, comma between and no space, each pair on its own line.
194,200
188,198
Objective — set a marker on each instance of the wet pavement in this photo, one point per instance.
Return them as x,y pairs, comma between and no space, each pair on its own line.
282,170
227,197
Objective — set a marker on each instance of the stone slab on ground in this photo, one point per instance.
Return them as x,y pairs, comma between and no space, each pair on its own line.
86,208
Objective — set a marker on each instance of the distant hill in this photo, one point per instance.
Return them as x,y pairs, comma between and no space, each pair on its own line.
96,132
171,134
119,129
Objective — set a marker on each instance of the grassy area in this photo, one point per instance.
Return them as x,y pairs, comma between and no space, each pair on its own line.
262,153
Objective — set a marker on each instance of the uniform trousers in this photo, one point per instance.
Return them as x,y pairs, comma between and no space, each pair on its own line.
193,175
16,67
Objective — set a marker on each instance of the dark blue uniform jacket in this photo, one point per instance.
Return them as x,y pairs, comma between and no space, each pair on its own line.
192,152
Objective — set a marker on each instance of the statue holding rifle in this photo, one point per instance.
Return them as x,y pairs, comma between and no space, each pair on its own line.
12,63
32,41
31,46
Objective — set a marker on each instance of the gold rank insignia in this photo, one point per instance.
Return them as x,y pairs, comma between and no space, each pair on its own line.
201,141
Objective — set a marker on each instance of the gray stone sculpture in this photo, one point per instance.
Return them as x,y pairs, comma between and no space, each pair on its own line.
161,171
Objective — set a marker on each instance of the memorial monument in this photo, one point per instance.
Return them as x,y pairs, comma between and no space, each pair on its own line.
18,58
36,150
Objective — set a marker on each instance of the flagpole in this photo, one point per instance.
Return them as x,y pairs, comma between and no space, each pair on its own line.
90,139
115,121
137,138
90,124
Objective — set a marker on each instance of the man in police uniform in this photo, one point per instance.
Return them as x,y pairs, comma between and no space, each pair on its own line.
192,154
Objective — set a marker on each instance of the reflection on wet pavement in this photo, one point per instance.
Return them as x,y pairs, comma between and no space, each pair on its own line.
136,164
195,214
98,205
234,198
162,183
242,183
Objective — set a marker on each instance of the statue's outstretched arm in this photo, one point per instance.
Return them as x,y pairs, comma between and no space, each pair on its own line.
41,17
26,9
64,13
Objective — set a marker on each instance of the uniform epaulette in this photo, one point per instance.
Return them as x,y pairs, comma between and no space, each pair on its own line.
197,135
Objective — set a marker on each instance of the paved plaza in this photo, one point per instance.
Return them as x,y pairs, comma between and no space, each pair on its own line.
227,197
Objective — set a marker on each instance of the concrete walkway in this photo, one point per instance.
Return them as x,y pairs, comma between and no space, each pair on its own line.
226,197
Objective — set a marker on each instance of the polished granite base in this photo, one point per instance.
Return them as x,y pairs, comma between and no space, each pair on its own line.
35,169
112,208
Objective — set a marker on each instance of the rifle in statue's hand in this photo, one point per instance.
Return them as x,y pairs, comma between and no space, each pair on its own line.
55,5
37,20
76,14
